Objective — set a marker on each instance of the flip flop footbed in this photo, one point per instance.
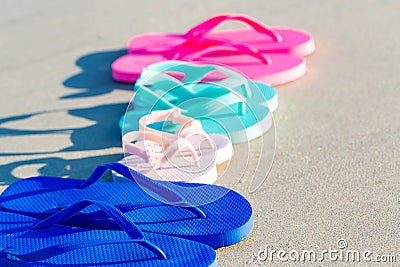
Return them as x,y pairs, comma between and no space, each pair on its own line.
18,237
177,168
180,167
283,68
228,214
260,93
238,127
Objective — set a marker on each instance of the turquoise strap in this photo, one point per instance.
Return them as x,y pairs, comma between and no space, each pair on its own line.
204,106
157,87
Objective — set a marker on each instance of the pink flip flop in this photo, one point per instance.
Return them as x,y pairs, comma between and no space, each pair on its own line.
188,127
189,155
272,69
258,35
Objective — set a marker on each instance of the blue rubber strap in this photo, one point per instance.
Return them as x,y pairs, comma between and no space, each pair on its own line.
134,176
116,215
171,197
55,250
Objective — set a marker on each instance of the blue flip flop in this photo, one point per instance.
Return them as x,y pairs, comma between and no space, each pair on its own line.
26,241
209,214
223,100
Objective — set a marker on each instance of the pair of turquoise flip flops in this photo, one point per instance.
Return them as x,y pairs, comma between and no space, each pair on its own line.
222,99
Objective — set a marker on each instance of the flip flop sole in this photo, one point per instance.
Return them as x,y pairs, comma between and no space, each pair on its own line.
284,68
18,237
228,214
238,128
178,169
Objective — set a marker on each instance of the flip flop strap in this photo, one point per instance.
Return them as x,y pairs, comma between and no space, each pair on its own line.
170,196
189,125
197,73
233,100
205,27
166,193
194,74
156,88
153,97
229,99
116,215
127,207
157,159
192,50
155,84
152,76
175,115
52,251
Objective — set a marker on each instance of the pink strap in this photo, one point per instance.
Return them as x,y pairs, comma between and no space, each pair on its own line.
175,115
203,28
195,49
156,159
190,126
196,129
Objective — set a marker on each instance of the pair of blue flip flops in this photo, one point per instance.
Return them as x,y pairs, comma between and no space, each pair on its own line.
50,221
222,99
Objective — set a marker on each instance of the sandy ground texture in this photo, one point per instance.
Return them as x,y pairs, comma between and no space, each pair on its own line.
336,170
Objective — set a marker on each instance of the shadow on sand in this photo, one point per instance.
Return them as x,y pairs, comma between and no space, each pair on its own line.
93,80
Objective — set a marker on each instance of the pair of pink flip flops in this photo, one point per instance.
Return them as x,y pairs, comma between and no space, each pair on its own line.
273,55
187,155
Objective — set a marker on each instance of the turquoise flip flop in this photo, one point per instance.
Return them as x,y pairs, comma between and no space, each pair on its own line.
26,241
199,76
222,99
